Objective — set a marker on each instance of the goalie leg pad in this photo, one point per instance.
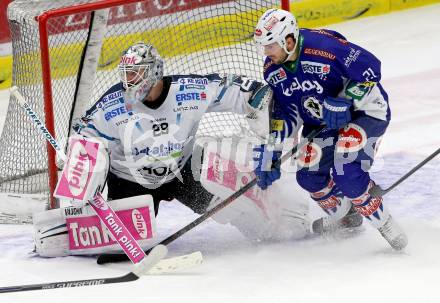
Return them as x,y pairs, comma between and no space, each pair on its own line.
258,215
78,231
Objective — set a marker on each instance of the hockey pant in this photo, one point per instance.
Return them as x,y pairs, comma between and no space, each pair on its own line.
334,167
190,193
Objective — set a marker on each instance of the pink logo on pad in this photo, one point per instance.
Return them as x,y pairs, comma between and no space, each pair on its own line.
78,169
232,176
89,232
97,202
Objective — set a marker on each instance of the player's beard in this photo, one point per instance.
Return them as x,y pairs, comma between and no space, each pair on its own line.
282,60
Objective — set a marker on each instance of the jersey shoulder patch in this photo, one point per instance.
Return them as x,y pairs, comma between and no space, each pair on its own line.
111,98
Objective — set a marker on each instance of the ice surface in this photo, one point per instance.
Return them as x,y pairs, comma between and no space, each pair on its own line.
359,269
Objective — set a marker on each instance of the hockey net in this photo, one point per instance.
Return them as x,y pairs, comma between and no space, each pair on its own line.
65,56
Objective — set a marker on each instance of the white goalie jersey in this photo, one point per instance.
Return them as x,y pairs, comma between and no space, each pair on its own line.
149,145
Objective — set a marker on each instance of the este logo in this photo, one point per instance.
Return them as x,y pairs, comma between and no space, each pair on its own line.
277,76
191,96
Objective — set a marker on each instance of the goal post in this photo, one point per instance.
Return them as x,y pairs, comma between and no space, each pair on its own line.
65,54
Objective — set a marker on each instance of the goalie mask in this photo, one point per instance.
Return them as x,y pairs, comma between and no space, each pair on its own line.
140,69
272,29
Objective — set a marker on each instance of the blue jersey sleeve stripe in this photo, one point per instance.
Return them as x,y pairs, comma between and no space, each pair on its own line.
91,126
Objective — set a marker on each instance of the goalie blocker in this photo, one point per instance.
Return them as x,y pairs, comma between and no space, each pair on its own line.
85,171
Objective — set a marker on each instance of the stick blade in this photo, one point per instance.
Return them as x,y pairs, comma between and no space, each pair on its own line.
179,263
156,254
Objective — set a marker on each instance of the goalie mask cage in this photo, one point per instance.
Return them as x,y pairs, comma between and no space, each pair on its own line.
66,53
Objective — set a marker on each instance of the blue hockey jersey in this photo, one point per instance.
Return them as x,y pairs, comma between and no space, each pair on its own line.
327,66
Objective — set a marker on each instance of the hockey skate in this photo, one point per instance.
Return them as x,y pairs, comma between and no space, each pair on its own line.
392,232
347,226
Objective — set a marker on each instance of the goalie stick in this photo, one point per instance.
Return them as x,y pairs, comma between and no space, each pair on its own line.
377,191
38,122
153,258
113,258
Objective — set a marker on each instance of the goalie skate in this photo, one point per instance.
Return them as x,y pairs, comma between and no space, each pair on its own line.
350,224
392,232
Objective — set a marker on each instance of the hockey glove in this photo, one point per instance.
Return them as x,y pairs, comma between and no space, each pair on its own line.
267,170
260,98
336,112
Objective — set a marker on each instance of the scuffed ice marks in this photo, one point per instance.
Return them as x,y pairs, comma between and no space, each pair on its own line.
16,241
419,195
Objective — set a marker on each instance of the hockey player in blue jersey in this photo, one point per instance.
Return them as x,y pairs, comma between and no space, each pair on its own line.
148,123
318,77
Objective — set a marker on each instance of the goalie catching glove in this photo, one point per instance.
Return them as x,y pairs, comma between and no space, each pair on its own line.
85,171
260,99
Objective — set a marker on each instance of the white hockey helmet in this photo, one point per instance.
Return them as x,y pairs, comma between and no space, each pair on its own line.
140,68
274,26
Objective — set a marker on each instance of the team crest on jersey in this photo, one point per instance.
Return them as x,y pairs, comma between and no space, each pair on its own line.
313,107
320,69
352,138
277,76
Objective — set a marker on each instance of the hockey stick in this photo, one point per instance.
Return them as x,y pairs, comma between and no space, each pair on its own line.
39,123
113,258
153,258
163,266
377,191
